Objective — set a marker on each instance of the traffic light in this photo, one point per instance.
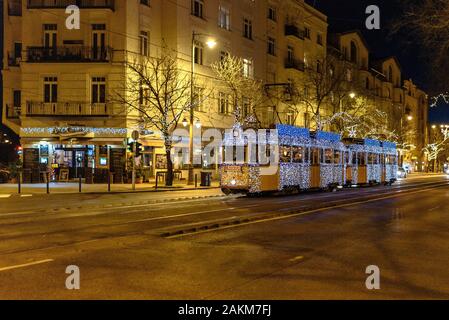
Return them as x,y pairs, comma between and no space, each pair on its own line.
139,149
129,147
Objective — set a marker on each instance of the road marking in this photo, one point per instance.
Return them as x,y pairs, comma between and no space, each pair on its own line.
296,258
26,195
25,265
433,209
3,196
293,215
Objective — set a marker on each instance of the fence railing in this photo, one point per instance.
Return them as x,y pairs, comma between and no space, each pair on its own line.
60,4
292,30
294,64
69,54
76,109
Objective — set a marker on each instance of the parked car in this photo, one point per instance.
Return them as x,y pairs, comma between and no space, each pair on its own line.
402,174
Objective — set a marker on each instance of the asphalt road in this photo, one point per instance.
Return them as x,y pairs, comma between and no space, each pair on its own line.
320,253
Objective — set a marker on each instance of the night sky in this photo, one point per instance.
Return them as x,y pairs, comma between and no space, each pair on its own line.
346,15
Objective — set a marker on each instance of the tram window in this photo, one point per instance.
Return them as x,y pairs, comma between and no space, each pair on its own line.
370,158
354,158
328,156
285,154
315,156
306,155
298,156
337,157
361,157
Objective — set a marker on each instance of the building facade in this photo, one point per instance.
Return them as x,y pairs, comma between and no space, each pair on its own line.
59,83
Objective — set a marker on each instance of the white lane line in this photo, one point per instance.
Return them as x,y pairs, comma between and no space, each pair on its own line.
26,265
3,196
26,195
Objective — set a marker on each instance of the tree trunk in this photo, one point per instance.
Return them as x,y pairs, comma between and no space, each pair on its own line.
169,178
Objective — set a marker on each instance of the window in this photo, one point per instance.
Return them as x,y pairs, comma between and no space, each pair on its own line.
198,53
50,35
315,156
50,89
285,154
307,32
17,50
223,55
290,54
198,98
224,18
99,42
353,52
247,28
272,14
98,90
197,8
361,158
248,68
328,156
271,46
337,157
246,110
17,99
306,120
290,119
319,39
144,44
144,95
298,154
348,75
223,103
145,2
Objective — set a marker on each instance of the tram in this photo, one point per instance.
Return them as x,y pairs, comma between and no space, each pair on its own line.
307,161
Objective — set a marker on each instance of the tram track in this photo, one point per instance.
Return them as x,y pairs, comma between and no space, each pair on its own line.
147,226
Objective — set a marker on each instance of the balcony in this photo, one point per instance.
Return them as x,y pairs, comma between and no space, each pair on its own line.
62,4
15,8
294,64
292,30
68,109
68,54
12,112
13,61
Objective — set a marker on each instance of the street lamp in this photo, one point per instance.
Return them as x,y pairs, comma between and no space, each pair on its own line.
211,43
352,95
409,118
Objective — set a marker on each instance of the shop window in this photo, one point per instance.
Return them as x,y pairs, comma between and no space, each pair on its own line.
337,157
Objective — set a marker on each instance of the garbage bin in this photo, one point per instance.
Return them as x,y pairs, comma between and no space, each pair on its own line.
206,179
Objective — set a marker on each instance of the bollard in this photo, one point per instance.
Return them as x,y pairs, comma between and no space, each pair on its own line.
48,183
156,182
80,184
109,182
196,181
20,182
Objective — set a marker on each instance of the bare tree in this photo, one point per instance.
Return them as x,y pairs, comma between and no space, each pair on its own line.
157,92
428,21
438,146
237,79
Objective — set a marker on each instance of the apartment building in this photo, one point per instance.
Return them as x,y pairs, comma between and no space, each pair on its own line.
381,81
58,83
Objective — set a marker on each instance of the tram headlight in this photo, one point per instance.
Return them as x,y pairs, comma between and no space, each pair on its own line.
233,182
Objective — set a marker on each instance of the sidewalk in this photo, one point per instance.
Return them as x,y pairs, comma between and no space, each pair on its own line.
73,187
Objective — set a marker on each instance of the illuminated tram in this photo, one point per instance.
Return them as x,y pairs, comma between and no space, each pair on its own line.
307,161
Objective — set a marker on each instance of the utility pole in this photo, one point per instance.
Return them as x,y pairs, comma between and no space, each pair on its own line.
135,136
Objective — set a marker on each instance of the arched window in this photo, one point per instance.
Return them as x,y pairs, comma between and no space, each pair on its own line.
353,52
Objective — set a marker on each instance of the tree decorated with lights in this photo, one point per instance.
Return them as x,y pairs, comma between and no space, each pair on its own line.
439,144
157,94
235,75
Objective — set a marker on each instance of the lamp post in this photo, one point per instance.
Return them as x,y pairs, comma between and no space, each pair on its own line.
211,44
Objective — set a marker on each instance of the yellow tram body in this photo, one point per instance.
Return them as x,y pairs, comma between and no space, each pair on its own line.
307,161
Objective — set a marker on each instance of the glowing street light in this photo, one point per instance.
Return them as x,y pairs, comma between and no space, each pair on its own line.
409,118
211,43
352,95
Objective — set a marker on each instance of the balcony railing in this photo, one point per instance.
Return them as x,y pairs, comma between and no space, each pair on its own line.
292,30
15,8
13,61
294,64
62,4
71,109
68,54
12,112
